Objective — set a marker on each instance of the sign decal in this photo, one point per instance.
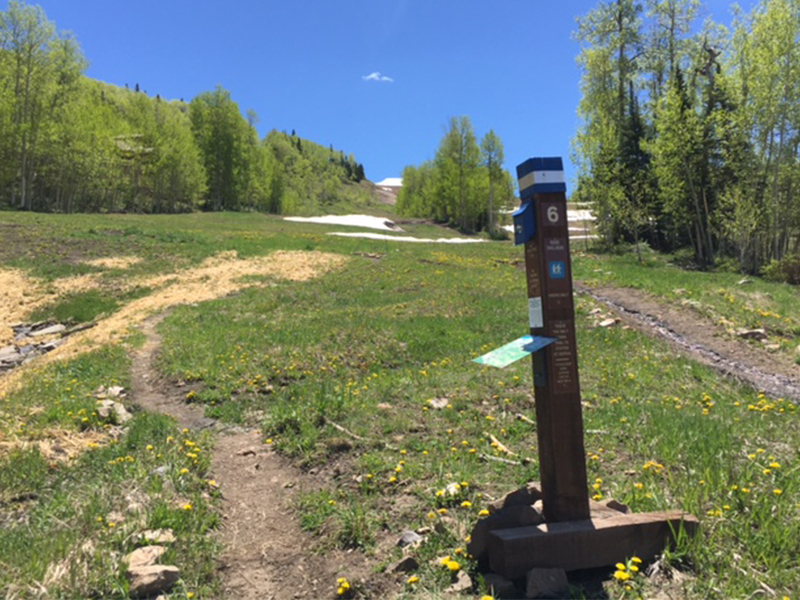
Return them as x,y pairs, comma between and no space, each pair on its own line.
535,316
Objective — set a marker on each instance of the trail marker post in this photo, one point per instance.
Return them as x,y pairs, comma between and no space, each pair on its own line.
578,533
542,223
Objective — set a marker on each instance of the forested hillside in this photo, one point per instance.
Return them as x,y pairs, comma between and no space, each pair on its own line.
464,184
69,143
691,132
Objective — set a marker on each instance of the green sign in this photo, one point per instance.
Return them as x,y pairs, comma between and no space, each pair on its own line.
512,352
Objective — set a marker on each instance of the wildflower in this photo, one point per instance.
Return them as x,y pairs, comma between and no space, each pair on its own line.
442,511
466,504
343,586
412,580
187,507
332,502
453,566
483,513
184,471
777,492
622,575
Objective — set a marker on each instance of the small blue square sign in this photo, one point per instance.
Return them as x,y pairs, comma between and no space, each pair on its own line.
557,269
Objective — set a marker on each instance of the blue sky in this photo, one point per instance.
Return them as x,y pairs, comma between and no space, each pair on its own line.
301,64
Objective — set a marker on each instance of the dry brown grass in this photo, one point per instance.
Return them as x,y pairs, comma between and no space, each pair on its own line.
114,262
217,276
59,445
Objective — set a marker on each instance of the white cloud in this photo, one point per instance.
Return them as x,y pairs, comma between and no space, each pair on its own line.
376,76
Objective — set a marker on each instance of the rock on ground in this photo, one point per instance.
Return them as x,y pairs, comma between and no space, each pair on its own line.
151,580
145,556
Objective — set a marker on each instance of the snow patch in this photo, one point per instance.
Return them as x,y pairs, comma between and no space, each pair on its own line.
405,238
350,221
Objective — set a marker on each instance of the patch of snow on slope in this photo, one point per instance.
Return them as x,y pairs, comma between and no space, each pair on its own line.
350,221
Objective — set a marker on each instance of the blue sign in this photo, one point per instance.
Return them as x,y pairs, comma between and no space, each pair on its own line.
557,269
524,223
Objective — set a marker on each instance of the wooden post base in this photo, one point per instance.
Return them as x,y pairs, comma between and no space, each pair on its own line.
596,542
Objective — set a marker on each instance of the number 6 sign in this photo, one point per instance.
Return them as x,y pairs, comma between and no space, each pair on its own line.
559,418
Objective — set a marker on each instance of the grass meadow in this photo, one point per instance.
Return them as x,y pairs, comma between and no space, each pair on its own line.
368,369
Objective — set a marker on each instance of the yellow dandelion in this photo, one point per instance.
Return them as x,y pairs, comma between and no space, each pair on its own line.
453,566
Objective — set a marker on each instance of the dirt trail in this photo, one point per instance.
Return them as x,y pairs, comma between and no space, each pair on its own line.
152,392
773,373
267,555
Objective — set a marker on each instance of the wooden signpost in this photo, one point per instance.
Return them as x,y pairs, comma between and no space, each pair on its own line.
577,533
551,313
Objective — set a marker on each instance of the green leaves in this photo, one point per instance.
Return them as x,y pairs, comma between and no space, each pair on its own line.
710,161
463,184
73,144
